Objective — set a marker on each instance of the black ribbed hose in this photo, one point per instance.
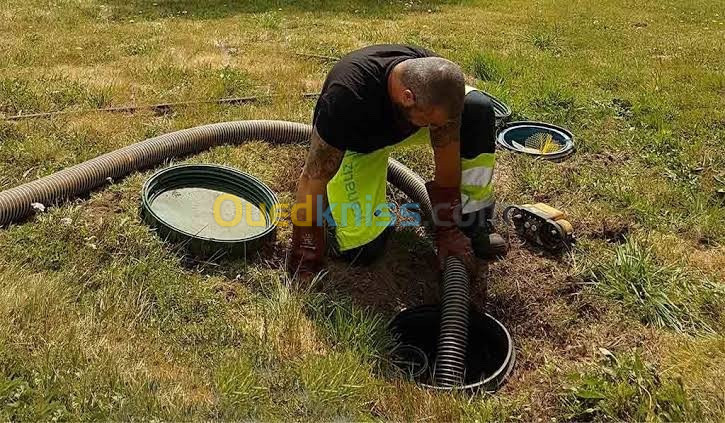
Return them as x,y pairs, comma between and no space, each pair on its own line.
412,185
450,365
16,204
453,334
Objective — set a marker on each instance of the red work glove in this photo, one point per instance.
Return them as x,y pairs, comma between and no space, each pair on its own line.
450,241
307,252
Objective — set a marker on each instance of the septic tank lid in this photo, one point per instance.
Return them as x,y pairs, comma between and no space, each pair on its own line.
209,208
539,139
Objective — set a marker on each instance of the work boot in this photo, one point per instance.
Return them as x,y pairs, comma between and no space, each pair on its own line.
478,226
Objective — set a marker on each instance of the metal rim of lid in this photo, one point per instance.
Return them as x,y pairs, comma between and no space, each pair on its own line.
565,151
222,178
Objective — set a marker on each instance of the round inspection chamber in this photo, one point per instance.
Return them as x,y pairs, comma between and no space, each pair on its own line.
490,354
540,139
500,109
211,210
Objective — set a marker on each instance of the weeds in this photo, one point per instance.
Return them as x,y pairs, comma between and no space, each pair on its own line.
555,101
487,68
19,401
660,295
546,39
242,394
269,20
337,384
625,388
351,328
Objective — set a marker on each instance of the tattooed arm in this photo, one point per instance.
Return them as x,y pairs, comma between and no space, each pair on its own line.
446,141
306,255
322,163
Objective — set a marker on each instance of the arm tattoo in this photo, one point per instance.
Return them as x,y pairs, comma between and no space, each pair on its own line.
323,160
441,136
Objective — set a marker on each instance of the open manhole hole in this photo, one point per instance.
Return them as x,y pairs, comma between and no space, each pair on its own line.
489,357
541,139
210,209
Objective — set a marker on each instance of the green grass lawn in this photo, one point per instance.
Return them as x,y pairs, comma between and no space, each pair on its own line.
102,320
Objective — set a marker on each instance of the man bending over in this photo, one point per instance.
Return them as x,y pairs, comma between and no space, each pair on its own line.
372,100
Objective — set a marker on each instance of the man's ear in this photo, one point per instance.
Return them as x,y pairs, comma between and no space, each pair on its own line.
408,98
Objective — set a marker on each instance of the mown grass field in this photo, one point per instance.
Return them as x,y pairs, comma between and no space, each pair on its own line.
102,320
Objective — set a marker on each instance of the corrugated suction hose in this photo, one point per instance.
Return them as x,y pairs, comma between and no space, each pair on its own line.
16,204
450,366
450,362
412,185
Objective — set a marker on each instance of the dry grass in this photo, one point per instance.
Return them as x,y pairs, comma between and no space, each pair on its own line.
105,321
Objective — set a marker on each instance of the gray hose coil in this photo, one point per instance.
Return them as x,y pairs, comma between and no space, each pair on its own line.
450,363
15,203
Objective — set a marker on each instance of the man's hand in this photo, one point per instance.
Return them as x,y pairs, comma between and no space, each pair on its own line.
450,241
307,254
307,250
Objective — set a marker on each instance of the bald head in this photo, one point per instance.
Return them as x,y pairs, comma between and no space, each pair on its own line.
435,82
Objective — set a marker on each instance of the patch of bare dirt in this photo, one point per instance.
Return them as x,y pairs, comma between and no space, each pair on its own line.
107,202
406,275
613,230
557,324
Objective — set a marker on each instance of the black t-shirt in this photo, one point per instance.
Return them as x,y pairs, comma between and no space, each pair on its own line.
354,111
